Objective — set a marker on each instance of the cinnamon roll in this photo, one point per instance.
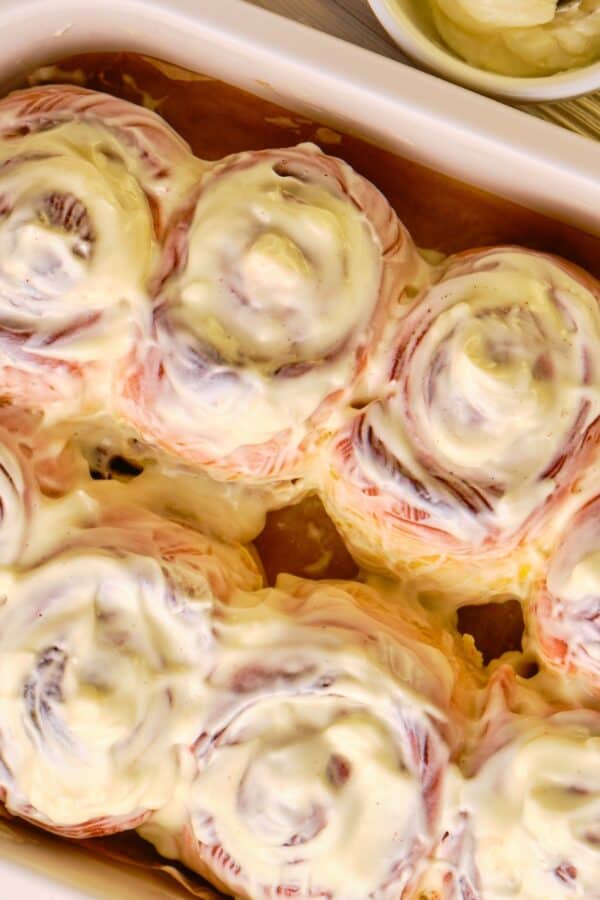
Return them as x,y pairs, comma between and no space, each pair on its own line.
521,814
276,282
528,824
87,183
489,416
320,770
103,650
566,608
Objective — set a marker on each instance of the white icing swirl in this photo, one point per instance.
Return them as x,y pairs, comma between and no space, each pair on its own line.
102,659
533,812
75,239
16,499
512,37
320,769
489,409
567,610
277,281
86,181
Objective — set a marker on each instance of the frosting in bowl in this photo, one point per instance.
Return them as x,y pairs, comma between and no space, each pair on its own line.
530,38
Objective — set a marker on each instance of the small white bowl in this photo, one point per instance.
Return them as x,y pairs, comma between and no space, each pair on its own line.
410,24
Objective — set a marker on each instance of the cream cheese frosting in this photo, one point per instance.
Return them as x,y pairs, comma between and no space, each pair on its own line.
533,810
520,811
566,609
491,400
104,650
86,185
276,282
66,196
80,741
17,497
512,37
319,771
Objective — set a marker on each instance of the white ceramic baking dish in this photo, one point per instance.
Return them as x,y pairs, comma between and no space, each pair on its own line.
443,126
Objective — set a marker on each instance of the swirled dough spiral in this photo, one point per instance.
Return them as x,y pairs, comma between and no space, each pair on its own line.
276,283
320,770
566,608
87,183
103,650
530,815
489,417
17,499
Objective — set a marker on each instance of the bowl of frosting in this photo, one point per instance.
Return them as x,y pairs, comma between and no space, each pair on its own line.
519,49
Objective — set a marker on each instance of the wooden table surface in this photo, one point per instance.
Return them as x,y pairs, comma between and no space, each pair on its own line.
353,21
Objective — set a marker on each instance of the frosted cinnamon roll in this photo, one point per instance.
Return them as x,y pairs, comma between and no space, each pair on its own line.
87,183
529,817
276,282
489,416
320,770
103,650
521,814
566,608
